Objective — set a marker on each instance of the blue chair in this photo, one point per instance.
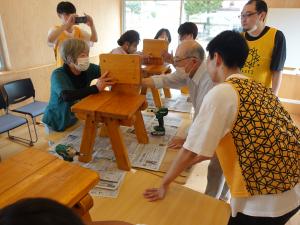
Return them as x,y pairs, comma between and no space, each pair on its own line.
9,122
20,90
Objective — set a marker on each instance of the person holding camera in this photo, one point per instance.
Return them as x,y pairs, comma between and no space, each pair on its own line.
66,11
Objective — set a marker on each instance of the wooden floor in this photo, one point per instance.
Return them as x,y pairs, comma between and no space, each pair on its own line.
196,181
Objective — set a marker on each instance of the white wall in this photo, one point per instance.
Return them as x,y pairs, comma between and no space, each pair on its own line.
288,21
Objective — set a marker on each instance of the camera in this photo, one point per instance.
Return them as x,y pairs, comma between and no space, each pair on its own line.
80,19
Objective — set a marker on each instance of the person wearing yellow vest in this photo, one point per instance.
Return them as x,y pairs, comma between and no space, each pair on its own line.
267,46
66,11
254,137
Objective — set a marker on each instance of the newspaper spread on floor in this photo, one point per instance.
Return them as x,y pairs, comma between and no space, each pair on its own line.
178,103
181,104
147,156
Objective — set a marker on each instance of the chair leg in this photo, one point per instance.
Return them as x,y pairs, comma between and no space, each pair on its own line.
22,140
34,127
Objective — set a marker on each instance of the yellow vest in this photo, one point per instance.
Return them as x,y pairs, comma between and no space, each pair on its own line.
60,39
258,62
261,154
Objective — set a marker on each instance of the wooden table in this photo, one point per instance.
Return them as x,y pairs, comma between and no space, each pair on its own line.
151,70
181,206
113,109
35,173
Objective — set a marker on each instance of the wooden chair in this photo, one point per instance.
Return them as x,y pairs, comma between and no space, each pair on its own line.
120,106
155,65
154,48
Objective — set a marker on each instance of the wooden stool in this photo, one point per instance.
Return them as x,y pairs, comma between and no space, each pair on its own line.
120,106
155,65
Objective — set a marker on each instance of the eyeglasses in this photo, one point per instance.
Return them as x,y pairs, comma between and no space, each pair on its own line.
247,15
177,59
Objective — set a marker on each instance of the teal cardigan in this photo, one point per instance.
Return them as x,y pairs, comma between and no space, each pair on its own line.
58,115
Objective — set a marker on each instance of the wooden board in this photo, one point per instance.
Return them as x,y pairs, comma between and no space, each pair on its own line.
126,69
121,106
154,47
181,206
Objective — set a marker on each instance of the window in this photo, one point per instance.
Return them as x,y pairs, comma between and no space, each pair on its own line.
2,62
211,17
147,17
1,59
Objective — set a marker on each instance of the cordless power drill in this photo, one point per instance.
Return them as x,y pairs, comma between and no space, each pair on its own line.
160,129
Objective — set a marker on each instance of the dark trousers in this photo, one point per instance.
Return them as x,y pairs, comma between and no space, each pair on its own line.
242,219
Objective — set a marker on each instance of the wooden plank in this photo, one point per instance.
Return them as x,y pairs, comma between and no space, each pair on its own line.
88,139
167,93
83,206
121,106
155,47
118,144
22,165
140,130
89,104
103,131
180,206
125,69
156,97
64,182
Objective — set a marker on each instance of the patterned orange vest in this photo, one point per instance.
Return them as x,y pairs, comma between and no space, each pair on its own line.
261,155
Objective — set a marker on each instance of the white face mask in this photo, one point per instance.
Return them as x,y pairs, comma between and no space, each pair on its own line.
181,71
82,64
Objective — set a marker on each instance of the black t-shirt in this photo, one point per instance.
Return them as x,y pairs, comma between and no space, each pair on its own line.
81,83
279,51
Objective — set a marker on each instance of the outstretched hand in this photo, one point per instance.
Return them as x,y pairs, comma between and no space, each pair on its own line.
154,194
176,142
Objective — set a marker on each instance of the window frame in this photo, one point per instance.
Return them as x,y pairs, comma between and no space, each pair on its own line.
3,64
2,61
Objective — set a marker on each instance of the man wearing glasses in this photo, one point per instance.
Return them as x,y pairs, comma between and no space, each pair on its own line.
267,46
189,62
